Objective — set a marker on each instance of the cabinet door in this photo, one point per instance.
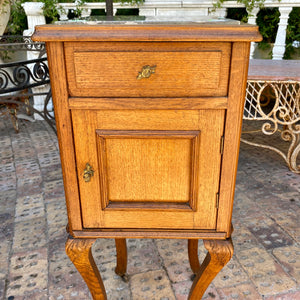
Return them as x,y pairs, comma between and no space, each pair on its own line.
151,168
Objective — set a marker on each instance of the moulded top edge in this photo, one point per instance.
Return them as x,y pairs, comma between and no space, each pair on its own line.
169,31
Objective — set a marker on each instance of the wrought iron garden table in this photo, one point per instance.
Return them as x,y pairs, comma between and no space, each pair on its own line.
273,97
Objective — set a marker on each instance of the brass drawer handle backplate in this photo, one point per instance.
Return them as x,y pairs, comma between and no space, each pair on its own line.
88,172
146,72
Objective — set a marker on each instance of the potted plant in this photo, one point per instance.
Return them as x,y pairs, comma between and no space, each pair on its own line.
4,15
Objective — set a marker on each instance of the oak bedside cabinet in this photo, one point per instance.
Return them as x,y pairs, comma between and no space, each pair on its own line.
149,118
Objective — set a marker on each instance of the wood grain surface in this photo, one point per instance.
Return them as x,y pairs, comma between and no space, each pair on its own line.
219,254
121,249
80,253
148,103
94,69
193,255
152,32
232,134
134,165
64,132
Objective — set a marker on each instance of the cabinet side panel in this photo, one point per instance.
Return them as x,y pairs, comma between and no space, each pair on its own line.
234,118
57,71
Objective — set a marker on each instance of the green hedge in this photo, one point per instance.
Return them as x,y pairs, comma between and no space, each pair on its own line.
267,20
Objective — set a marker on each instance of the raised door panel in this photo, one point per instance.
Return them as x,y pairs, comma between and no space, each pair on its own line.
152,169
147,166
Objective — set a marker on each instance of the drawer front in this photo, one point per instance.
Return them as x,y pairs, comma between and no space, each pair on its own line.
148,169
148,70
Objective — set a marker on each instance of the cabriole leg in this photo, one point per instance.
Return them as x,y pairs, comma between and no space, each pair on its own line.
219,254
80,253
193,255
121,249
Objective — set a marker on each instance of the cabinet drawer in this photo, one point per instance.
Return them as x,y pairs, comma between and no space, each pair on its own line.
175,70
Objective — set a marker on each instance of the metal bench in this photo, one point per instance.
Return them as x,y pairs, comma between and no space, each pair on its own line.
273,97
18,78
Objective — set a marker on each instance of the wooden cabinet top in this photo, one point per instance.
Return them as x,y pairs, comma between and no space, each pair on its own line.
148,31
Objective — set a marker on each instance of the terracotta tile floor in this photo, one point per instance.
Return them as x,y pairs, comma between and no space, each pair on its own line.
33,264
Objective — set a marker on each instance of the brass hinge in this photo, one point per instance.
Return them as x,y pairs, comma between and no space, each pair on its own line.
222,145
217,200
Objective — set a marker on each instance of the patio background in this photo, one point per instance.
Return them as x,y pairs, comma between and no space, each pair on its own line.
33,263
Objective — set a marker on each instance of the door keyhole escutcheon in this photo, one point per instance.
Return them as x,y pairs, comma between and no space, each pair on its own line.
88,172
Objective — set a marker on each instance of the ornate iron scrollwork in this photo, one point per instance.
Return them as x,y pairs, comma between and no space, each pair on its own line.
30,73
18,78
282,110
18,42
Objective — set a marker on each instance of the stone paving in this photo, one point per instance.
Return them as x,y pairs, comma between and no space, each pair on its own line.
33,263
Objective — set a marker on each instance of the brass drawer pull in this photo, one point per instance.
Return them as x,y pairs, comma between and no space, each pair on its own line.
88,172
146,72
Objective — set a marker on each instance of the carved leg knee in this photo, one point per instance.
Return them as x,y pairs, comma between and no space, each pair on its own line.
219,254
80,253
